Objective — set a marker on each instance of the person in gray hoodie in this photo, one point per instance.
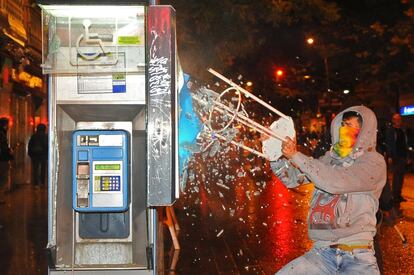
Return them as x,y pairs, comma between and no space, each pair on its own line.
348,181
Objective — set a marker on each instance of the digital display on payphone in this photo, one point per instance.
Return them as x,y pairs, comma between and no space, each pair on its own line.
100,170
107,167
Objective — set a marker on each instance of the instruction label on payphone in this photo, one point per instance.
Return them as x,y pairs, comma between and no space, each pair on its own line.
100,170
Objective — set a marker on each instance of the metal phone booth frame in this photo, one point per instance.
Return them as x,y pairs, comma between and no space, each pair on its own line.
112,71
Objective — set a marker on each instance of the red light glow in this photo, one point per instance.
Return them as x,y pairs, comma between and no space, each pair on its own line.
279,72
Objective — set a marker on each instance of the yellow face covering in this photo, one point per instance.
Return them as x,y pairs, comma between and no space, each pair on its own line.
347,139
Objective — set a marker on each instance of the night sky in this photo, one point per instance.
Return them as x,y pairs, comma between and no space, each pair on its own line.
368,46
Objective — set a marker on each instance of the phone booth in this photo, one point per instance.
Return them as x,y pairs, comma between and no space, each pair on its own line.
113,128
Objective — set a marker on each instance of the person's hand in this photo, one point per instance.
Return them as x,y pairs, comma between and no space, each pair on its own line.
289,147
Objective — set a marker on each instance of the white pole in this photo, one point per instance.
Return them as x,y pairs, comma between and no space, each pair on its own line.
243,146
254,125
228,81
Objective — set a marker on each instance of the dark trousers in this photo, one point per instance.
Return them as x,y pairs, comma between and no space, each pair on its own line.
398,171
39,167
4,173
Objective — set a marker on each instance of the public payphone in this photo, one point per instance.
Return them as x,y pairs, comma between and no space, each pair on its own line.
100,171
113,126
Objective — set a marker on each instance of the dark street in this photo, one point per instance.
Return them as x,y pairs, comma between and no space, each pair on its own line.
23,220
257,226
254,227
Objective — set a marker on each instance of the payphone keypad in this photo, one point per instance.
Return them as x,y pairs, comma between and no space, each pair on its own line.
110,183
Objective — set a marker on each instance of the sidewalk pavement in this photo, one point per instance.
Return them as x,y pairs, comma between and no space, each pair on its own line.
257,226
398,257
23,231
254,227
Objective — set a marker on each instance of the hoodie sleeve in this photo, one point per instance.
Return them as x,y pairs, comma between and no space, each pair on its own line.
290,176
365,174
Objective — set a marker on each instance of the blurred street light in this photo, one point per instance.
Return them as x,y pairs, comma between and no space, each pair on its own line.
249,83
346,92
279,72
310,40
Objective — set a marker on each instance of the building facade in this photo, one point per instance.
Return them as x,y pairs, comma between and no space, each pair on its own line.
23,91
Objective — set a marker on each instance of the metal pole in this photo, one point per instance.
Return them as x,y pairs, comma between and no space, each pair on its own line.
247,93
257,153
239,117
154,2
328,84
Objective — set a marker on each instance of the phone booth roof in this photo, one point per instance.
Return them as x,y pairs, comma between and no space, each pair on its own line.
93,2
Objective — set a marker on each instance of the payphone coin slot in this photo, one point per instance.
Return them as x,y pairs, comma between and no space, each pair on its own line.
82,177
83,171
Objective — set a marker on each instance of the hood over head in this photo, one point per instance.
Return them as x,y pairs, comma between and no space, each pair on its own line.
367,137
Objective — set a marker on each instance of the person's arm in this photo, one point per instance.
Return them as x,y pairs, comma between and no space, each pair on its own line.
363,175
290,176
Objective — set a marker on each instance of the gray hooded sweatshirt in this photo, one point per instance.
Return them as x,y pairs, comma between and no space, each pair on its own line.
345,199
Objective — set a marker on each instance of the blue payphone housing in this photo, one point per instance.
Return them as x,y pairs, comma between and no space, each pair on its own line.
100,170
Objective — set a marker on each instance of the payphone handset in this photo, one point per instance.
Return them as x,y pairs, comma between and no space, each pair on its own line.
100,170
